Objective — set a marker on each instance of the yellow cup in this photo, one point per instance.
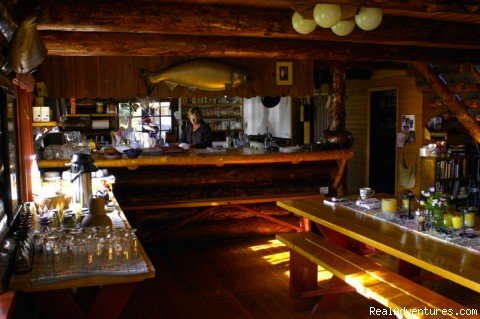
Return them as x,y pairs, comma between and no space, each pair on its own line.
457,222
389,205
447,220
469,219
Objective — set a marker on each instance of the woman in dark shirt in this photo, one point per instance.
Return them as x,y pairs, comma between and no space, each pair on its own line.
197,133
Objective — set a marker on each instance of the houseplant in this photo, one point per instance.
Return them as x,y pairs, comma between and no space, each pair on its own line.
436,203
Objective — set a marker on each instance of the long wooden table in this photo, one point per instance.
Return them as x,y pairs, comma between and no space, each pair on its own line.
338,224
111,292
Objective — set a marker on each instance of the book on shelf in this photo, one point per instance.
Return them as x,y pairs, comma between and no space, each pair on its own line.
455,189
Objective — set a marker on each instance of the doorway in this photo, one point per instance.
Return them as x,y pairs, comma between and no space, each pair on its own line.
383,123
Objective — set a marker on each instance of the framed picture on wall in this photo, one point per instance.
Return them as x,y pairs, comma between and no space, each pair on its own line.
284,73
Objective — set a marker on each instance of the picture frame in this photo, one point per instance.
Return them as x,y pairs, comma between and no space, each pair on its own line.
284,73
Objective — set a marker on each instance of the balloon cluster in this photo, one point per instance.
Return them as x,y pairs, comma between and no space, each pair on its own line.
330,16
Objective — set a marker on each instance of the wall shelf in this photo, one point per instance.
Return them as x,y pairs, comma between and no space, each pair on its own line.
93,115
42,124
219,116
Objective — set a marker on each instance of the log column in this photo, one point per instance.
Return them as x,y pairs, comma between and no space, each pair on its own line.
336,133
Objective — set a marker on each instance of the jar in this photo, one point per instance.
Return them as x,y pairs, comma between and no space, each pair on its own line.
99,107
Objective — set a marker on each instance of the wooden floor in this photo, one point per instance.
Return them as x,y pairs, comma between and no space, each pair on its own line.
235,278
243,278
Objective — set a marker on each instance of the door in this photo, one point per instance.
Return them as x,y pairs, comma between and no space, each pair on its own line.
383,114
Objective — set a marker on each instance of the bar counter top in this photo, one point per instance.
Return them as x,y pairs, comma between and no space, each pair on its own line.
208,158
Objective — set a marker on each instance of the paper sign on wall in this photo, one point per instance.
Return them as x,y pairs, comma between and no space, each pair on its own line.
408,128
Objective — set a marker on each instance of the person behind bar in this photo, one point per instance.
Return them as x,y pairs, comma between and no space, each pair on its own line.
197,133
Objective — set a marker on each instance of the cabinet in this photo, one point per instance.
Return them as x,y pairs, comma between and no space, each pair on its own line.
447,173
221,114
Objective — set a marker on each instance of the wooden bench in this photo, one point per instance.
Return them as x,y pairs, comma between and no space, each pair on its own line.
216,203
307,250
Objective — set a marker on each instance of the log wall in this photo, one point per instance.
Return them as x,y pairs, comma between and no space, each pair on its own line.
150,185
118,77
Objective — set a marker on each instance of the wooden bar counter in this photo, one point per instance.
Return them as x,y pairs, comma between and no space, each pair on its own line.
200,178
241,156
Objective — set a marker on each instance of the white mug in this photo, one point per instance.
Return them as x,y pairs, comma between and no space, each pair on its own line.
366,192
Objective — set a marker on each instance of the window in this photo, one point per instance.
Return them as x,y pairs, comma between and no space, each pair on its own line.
146,117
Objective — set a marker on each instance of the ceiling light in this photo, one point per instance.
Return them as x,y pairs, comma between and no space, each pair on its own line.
327,15
301,25
368,18
341,19
343,27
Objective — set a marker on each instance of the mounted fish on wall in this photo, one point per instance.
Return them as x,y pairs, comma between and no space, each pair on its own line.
26,51
202,74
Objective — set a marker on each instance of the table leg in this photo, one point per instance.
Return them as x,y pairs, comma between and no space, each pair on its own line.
58,304
108,304
305,224
110,301
335,237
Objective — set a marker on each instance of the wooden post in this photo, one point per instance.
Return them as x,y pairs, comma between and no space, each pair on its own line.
336,133
336,111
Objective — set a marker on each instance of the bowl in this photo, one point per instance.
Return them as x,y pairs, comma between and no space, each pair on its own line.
112,156
133,152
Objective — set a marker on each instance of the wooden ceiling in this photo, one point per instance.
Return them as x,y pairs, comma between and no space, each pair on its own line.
430,30
433,30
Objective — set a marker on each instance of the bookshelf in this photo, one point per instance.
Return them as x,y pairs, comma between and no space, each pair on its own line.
446,173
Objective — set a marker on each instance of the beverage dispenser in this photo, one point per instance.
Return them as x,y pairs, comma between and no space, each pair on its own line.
82,168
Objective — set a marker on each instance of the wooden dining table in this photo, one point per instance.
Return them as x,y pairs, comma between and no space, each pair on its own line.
101,296
346,226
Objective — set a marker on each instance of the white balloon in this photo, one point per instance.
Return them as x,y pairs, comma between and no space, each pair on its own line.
327,15
343,27
369,18
301,25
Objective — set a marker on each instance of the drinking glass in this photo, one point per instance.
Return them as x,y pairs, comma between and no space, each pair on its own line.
132,242
39,244
53,248
118,243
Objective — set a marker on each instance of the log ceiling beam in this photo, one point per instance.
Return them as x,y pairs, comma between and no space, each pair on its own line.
473,104
450,99
161,18
130,44
468,6
475,73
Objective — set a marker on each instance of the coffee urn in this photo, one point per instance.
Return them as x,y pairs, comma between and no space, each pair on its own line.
81,168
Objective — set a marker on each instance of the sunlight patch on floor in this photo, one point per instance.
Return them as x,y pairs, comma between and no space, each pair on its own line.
323,275
284,257
271,244
278,258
